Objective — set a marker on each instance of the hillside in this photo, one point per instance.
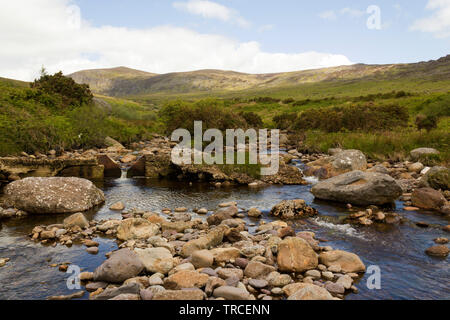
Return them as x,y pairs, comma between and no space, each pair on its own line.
124,82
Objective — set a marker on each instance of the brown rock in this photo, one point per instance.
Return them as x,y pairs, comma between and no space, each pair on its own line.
438,251
257,270
296,255
349,262
427,198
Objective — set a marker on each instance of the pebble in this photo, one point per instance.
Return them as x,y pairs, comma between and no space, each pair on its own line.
258,284
441,240
92,250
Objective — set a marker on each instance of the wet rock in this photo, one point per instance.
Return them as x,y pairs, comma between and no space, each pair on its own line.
75,295
427,198
348,262
292,209
296,255
342,162
441,240
53,195
258,270
359,188
77,219
311,292
184,295
438,251
119,206
122,265
254,213
94,286
231,293
155,259
136,228
3,261
186,279
92,250
202,259
112,169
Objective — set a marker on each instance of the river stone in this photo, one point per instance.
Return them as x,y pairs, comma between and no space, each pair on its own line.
184,295
339,163
186,279
311,292
119,206
53,195
347,261
231,293
335,288
202,259
122,265
221,215
77,219
210,240
254,213
258,270
292,209
225,254
132,288
418,154
296,255
438,251
359,188
258,284
226,273
135,229
427,198
156,259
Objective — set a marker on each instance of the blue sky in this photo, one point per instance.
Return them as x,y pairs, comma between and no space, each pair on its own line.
254,36
292,26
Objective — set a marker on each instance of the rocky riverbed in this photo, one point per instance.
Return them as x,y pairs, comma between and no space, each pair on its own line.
156,240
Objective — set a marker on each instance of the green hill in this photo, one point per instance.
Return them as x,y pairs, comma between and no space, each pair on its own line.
351,80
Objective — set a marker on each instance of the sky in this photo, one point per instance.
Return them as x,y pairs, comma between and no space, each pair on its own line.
253,36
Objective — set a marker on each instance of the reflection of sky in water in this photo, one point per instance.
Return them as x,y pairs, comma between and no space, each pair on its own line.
407,273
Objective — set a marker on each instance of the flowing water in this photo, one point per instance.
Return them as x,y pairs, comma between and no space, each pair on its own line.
399,250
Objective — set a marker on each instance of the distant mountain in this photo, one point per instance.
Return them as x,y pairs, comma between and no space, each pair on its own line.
125,82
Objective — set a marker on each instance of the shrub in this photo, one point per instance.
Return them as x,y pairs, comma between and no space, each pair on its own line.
253,120
71,93
426,122
368,117
285,121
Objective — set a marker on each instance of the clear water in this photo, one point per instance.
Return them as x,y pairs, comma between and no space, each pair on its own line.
407,272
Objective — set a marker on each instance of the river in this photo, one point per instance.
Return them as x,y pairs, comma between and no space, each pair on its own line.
399,250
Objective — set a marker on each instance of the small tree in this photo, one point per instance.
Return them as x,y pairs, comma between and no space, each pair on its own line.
71,93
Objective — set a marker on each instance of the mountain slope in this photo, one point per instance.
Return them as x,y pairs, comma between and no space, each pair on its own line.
123,82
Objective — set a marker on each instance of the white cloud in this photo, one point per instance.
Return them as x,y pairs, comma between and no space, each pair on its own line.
43,32
328,15
211,10
356,13
439,22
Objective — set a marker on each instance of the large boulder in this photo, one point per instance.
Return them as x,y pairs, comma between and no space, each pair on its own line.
339,163
122,265
156,259
437,178
135,229
347,261
359,188
427,198
292,209
53,195
296,255
421,153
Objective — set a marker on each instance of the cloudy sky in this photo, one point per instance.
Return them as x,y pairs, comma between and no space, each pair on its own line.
255,36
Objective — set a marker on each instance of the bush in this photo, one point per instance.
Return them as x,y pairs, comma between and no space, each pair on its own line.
253,120
285,121
71,93
426,122
368,117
